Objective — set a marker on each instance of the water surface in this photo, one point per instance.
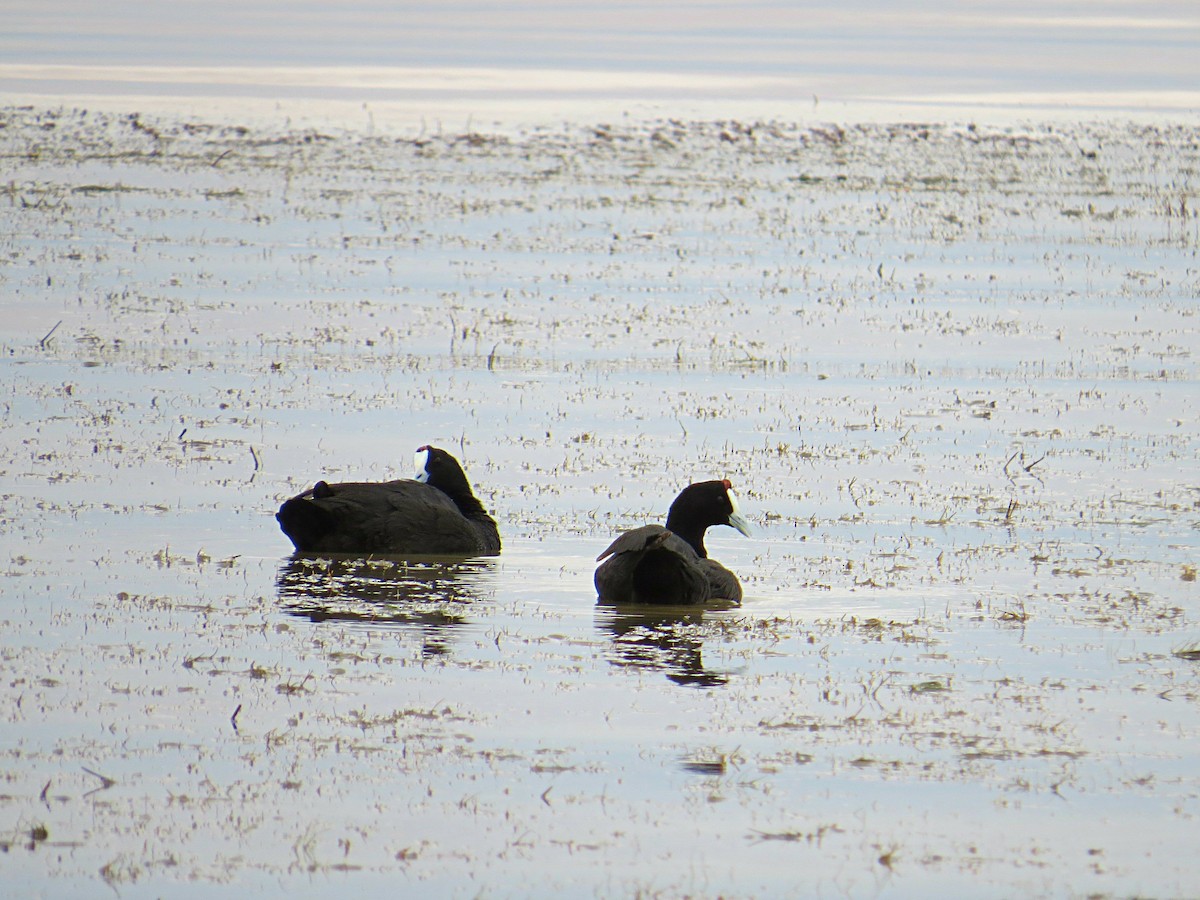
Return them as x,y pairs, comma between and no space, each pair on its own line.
404,65
950,370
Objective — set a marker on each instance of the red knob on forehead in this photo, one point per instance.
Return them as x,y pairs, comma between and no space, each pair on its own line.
727,483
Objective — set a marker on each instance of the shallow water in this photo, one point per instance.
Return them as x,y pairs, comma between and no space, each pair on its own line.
420,65
951,372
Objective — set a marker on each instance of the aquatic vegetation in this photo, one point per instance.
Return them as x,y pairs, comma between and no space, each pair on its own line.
950,370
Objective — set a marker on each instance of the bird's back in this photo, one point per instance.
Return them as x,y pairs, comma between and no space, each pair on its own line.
651,565
397,517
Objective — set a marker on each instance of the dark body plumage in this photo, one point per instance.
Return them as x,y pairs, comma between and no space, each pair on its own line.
653,564
435,515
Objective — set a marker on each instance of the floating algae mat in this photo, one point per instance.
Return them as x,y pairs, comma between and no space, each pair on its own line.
951,373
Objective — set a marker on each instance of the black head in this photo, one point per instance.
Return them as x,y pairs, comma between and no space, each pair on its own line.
442,471
701,505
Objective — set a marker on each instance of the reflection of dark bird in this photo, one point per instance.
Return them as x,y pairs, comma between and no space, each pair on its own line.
428,597
660,639
653,564
434,515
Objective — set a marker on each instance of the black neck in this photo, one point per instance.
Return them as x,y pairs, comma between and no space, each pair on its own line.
468,504
690,532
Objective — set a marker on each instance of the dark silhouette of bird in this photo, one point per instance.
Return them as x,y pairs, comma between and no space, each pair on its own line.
656,564
435,514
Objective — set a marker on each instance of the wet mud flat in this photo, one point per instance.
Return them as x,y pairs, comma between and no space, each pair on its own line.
951,371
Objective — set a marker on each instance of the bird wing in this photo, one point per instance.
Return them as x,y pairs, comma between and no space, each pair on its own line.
636,541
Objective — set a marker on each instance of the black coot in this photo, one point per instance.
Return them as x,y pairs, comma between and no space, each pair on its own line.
653,564
434,515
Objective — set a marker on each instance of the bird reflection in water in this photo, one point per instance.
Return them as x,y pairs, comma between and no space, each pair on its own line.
663,639
428,596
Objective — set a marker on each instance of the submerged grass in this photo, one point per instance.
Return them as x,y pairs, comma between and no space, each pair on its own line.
947,369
